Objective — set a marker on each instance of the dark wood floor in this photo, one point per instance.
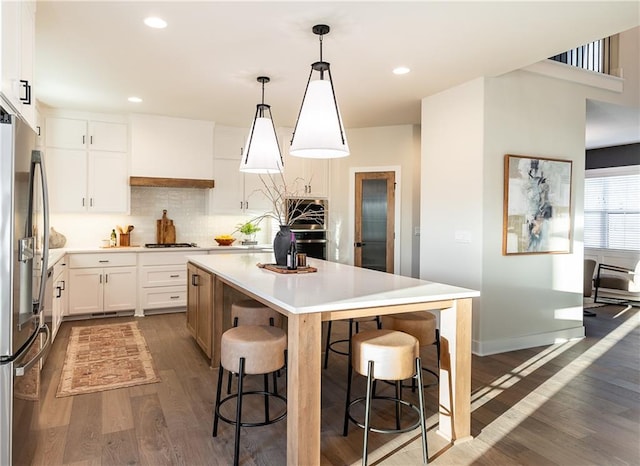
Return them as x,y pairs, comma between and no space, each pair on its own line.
574,403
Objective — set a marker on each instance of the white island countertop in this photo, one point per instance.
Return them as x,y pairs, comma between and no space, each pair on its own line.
338,291
334,286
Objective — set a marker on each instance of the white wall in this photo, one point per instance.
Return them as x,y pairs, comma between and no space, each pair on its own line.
525,300
375,147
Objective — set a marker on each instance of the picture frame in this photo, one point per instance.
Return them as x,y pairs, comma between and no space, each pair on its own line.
537,205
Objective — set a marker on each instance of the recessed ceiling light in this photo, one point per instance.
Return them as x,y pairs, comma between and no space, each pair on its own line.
401,70
136,100
155,22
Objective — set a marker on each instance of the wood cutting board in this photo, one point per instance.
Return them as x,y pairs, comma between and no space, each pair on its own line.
165,230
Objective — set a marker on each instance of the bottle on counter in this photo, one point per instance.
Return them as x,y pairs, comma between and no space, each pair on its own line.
114,239
292,254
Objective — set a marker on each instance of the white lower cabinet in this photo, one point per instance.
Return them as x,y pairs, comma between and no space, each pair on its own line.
101,283
60,296
163,281
55,312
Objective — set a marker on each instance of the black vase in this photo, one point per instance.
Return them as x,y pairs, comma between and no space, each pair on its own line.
281,244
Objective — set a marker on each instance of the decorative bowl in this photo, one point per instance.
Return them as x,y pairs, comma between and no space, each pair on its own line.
224,241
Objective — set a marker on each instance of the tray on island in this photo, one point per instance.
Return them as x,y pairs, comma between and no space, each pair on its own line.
283,268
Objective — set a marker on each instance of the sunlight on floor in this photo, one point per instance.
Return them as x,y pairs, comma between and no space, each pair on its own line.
534,400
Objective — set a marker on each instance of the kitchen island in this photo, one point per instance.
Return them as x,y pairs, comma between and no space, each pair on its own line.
338,291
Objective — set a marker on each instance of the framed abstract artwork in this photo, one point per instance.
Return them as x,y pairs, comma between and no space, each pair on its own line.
537,205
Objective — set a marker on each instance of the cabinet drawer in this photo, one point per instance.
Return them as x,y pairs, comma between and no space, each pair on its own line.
77,261
166,297
168,258
59,267
163,276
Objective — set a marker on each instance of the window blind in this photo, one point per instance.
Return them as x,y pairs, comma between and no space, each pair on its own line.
612,211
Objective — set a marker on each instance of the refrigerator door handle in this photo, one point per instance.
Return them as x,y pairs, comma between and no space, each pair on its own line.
37,161
23,368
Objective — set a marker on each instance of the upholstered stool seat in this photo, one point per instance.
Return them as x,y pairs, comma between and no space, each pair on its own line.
387,355
424,326
331,346
252,312
246,350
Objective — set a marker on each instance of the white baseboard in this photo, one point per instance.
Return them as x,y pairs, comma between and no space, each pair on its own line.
486,348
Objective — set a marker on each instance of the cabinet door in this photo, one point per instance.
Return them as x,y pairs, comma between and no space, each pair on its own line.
107,136
85,291
58,306
66,133
108,183
205,311
307,177
316,175
254,194
120,287
27,56
67,180
192,299
228,195
10,51
228,142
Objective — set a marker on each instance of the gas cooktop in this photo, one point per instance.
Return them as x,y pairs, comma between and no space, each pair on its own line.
170,245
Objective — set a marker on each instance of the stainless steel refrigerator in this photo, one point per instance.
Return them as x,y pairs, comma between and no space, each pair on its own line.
24,249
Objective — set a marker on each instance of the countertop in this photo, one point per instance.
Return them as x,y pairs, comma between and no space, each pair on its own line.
334,286
56,254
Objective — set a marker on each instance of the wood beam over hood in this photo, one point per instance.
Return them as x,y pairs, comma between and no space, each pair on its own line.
148,181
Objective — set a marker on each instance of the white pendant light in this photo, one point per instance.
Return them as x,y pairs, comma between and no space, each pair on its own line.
262,154
319,132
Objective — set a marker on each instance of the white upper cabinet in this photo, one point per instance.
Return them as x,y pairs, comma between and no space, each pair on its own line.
304,177
234,192
87,165
229,141
71,133
17,28
166,147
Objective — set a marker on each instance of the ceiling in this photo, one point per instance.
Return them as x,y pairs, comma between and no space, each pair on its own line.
94,55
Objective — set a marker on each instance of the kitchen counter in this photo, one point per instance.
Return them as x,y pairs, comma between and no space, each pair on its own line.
56,254
339,291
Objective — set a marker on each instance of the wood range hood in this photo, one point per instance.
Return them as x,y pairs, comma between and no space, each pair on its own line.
153,182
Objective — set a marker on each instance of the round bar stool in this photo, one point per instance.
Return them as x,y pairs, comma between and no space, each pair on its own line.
424,326
387,355
250,349
330,345
252,312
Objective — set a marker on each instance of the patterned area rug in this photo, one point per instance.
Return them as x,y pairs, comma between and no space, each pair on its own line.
105,357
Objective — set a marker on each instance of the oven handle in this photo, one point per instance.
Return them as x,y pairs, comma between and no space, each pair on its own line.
310,241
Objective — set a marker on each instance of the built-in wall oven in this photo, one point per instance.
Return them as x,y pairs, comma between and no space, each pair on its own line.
309,224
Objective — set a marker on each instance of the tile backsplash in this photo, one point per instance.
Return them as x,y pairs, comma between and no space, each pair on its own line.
186,207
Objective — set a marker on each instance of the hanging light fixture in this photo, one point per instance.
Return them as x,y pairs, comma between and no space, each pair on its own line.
262,154
319,132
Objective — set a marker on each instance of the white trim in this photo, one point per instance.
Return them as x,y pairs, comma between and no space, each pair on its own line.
352,210
612,171
558,70
486,348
